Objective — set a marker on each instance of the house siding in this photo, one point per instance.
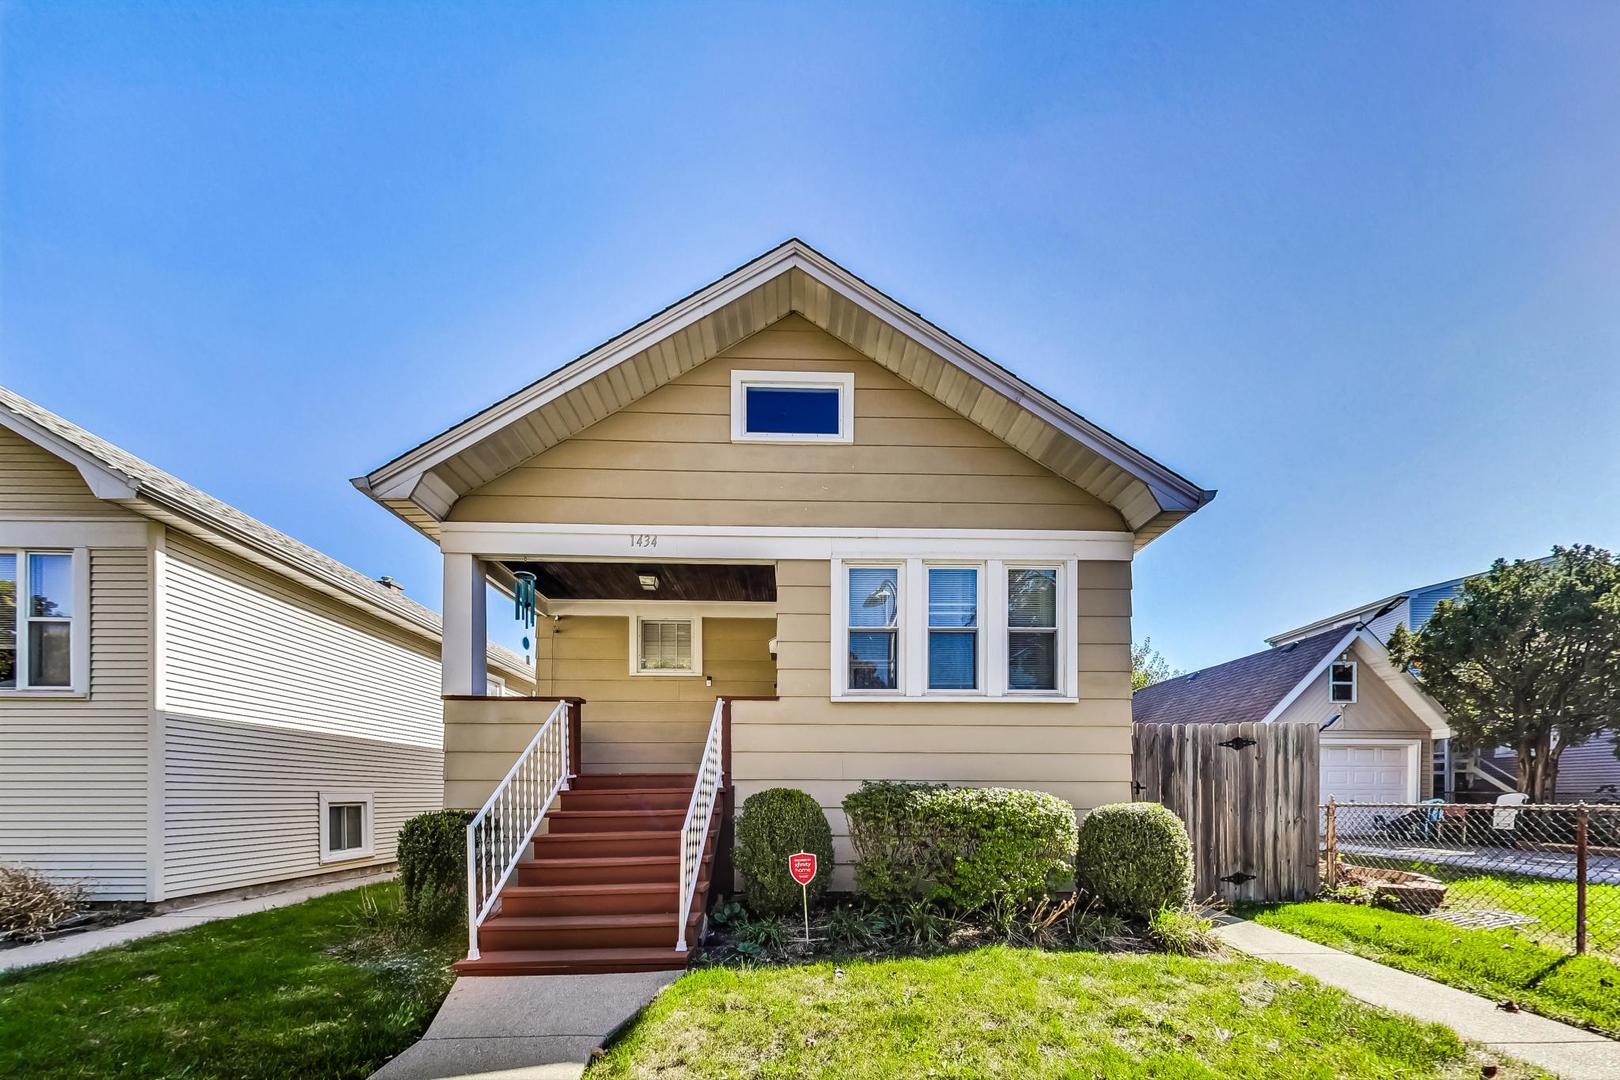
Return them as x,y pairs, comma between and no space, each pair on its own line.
668,459
272,694
73,772
1080,752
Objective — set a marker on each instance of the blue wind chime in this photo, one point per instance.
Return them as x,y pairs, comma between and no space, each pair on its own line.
523,602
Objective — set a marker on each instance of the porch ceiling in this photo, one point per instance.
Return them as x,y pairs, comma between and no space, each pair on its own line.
710,582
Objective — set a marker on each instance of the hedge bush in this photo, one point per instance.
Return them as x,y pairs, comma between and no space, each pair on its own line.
964,846
774,824
433,868
1135,858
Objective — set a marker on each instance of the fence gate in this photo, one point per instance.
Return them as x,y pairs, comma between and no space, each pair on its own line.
1248,795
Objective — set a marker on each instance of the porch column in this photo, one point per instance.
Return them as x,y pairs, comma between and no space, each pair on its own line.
465,656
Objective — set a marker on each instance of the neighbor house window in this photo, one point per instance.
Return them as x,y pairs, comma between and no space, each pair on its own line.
1032,629
953,628
665,647
874,628
41,620
1342,682
792,406
346,825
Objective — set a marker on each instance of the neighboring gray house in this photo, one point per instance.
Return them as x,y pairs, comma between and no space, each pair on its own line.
1378,728
1589,770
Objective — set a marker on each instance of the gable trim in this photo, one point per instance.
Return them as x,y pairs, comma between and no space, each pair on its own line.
1405,687
104,482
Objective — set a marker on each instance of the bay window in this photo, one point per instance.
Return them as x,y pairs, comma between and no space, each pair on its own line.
41,621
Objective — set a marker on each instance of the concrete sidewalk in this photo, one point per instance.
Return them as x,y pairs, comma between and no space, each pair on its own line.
525,1027
70,945
1565,1051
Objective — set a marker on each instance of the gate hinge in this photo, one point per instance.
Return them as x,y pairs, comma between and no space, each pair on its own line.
1238,743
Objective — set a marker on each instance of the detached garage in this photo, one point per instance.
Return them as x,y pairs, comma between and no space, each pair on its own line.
1378,727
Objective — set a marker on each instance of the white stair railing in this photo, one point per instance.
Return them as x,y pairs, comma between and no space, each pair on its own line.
499,834
695,829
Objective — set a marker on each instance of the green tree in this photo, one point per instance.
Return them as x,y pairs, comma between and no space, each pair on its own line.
1527,656
1148,666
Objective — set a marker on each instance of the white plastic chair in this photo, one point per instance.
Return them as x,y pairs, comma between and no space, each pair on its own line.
1505,816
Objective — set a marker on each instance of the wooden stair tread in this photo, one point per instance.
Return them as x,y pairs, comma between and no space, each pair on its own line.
619,888
571,862
616,834
589,922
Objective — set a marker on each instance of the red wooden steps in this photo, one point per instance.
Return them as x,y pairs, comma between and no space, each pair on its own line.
602,892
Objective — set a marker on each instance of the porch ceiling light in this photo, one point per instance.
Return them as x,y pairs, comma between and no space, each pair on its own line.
649,582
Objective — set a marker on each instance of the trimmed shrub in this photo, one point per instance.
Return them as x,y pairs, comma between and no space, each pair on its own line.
1135,858
433,869
774,824
967,847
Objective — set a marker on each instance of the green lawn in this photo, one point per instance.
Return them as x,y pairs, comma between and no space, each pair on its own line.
1000,1011
1550,903
1499,964
305,991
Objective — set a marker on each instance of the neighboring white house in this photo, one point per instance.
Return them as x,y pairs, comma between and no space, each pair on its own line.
190,700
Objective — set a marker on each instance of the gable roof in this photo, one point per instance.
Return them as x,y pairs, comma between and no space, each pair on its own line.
1243,691
1258,688
422,484
119,476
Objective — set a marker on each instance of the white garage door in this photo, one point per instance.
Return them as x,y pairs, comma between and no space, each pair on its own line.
1379,773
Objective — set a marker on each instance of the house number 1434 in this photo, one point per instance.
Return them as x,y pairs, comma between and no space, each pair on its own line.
643,540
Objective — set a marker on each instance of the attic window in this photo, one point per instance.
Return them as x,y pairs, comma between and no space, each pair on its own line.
792,406
1342,682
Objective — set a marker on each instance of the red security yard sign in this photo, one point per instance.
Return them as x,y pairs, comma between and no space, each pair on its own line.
803,868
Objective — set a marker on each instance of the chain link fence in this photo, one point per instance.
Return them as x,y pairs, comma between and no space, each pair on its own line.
1548,872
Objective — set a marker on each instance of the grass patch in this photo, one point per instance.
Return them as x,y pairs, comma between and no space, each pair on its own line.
1001,1011
1500,964
1550,903
326,988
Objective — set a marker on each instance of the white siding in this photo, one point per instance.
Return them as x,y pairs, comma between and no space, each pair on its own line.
272,694
73,772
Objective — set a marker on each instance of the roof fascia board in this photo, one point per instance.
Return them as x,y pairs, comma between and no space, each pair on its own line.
1300,687
104,481
1346,616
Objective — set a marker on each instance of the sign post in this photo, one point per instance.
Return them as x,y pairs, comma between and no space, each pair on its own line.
803,868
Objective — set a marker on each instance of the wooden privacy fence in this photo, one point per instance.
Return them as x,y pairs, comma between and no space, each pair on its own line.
1247,793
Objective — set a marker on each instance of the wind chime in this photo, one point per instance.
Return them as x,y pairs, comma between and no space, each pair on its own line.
523,603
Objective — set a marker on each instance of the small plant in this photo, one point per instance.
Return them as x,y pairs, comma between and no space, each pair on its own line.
761,937
853,928
774,824
1094,928
729,913
31,905
433,869
1347,892
1183,932
922,927
1135,858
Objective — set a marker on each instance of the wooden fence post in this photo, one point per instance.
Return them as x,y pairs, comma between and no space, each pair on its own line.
1332,843
1580,879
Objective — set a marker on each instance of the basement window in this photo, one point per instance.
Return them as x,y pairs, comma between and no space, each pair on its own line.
346,825
792,406
1342,682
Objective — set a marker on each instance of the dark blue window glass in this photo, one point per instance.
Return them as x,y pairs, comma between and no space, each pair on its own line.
791,410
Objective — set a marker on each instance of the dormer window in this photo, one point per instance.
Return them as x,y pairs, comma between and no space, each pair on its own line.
792,406
1342,682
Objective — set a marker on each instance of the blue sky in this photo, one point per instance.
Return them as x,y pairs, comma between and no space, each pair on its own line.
1358,267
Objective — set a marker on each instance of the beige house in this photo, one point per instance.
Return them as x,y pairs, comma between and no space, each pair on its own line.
784,532
192,702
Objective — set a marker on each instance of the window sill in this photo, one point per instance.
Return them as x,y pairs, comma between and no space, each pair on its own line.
961,699
345,856
667,674
44,695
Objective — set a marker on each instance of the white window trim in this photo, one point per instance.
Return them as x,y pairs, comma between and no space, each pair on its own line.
842,381
368,825
79,626
656,615
1355,680
913,631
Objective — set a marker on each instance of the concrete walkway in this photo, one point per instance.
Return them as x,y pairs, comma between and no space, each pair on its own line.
70,945
525,1027
1565,1051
